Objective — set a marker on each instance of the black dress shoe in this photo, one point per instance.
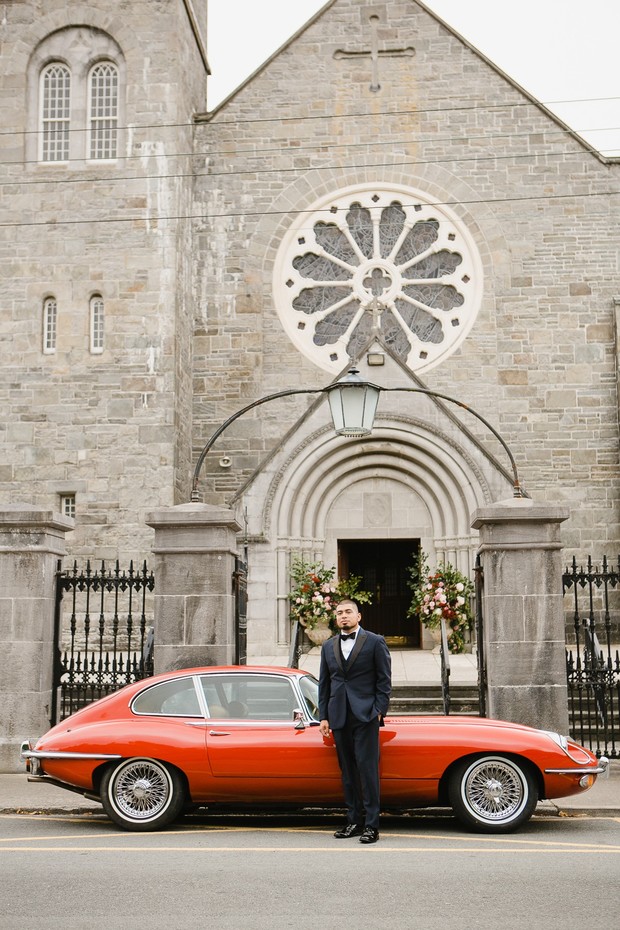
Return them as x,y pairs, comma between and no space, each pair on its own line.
369,835
349,829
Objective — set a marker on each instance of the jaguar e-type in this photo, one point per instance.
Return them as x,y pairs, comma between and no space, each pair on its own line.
248,737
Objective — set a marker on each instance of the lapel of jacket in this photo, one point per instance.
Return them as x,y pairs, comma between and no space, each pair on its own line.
337,653
360,639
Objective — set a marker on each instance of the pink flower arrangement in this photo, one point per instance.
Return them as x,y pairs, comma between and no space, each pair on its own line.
315,593
444,593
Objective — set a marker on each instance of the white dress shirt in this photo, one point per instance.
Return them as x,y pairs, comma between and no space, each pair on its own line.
348,644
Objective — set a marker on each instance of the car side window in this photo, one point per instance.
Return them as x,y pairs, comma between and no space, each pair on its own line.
251,697
176,698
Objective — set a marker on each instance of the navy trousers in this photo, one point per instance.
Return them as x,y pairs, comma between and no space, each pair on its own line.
357,745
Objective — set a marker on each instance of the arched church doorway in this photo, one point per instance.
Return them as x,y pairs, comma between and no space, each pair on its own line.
383,565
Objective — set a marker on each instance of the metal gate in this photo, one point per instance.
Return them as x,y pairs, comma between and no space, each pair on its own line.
103,631
240,590
592,655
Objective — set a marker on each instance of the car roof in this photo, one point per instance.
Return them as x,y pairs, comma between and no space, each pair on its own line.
228,669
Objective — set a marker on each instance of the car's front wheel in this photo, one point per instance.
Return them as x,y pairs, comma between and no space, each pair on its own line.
142,794
492,793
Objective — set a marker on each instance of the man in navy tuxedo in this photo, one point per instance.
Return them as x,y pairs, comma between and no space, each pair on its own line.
355,682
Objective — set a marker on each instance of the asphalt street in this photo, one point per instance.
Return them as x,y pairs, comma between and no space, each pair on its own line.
79,871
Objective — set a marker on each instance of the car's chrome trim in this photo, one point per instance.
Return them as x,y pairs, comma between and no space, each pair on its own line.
240,722
48,780
601,769
51,754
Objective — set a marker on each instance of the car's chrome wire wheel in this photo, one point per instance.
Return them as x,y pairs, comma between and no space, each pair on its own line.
494,790
141,789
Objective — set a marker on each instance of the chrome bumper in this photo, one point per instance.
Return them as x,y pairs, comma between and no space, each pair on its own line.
32,756
601,769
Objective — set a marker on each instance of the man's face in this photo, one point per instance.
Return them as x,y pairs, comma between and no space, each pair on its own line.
347,617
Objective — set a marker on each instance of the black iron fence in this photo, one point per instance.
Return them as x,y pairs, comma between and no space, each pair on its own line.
240,592
104,633
593,655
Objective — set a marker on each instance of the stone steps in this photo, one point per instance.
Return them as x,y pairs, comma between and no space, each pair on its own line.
427,699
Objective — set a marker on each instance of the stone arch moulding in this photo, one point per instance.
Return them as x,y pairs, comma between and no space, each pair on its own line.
422,463
290,500
288,503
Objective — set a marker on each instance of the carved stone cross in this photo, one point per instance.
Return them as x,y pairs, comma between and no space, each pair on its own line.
374,53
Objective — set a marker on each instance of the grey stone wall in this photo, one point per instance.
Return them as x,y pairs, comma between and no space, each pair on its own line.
180,238
523,627
115,428
31,542
540,360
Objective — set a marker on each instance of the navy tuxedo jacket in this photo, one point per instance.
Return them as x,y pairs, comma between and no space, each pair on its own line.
364,680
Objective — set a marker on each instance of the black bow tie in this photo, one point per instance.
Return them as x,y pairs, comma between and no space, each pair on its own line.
344,636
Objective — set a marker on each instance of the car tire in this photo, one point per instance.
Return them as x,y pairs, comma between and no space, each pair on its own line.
492,793
142,794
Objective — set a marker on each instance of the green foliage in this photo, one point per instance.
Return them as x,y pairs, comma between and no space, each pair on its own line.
315,593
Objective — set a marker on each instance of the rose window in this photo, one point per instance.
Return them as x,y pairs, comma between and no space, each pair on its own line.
382,262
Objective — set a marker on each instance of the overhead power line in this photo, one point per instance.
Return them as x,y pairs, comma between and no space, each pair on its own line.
153,219
212,117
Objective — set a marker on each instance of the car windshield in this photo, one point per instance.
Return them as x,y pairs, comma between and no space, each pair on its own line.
310,689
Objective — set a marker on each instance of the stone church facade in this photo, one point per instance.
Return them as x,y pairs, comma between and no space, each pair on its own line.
378,193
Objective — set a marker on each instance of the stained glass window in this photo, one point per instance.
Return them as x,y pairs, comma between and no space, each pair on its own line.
382,261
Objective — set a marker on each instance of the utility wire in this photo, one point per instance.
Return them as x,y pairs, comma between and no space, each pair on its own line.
454,159
210,116
154,219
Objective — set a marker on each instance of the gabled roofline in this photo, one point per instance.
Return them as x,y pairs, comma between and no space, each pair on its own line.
541,106
206,117
210,114
200,44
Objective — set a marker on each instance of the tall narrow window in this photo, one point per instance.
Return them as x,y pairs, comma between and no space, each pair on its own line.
50,315
103,123
55,113
96,324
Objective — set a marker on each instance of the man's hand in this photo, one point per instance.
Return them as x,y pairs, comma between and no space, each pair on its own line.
324,728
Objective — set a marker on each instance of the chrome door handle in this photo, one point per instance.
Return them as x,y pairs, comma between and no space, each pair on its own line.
218,733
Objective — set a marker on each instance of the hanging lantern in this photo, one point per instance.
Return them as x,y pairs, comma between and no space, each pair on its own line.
353,403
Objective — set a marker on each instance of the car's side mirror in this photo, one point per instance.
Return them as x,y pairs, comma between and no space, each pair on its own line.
298,718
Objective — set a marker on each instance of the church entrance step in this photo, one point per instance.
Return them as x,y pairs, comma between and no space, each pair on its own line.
427,699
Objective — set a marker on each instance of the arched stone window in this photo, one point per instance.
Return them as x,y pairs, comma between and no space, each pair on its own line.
50,325
103,111
96,324
76,79
55,94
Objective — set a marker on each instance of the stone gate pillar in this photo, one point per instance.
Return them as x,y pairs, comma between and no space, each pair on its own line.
31,542
194,548
524,627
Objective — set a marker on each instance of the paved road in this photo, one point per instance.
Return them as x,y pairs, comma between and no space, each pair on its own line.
232,873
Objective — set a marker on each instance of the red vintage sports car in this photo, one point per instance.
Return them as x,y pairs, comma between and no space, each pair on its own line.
245,736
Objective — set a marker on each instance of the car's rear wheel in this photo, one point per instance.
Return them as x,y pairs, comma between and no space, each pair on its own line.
142,794
492,793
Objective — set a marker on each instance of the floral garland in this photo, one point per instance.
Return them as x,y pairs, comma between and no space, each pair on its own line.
444,592
315,593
